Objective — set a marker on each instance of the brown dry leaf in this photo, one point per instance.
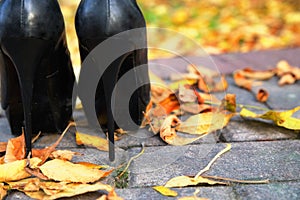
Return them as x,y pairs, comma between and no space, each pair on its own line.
186,94
196,108
69,172
204,123
229,102
220,86
70,190
28,184
183,181
63,154
257,75
3,146
165,191
205,84
262,95
283,67
3,191
242,81
15,170
168,132
286,79
15,149
2,160
283,118
92,141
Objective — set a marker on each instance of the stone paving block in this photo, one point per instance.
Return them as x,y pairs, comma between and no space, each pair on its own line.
213,193
252,130
274,191
276,160
282,97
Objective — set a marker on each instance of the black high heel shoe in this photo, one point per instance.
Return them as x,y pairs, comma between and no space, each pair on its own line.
36,72
96,21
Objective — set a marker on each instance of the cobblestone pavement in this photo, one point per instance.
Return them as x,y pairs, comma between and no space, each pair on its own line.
259,150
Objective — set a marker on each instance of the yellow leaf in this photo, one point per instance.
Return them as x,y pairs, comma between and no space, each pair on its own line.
70,190
15,170
92,141
183,181
175,85
60,170
283,118
3,191
165,191
204,123
169,135
29,184
63,154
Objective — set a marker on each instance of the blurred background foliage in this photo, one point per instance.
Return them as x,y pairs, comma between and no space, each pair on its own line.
219,26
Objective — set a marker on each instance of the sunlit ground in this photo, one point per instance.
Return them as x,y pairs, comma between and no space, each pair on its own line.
219,26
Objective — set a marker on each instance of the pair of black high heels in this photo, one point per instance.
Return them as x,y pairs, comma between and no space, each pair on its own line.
37,78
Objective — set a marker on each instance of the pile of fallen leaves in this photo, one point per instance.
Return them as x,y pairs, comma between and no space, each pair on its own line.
49,173
191,94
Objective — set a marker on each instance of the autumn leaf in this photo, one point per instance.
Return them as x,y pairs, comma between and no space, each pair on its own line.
3,146
229,102
257,74
287,73
15,170
169,135
69,172
262,95
92,141
63,154
165,191
15,149
241,81
68,190
170,104
183,181
3,191
283,118
28,184
204,123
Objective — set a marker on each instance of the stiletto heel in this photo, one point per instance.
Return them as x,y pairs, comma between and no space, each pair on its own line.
26,63
96,21
36,72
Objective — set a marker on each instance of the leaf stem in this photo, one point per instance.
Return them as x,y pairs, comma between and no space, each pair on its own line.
238,105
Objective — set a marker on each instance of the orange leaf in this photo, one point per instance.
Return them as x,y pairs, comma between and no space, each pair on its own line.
3,146
170,104
262,95
15,149
257,75
241,81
